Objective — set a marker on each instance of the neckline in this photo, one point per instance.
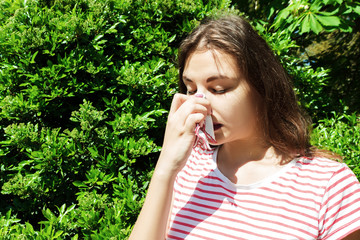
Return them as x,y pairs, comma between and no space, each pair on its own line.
255,185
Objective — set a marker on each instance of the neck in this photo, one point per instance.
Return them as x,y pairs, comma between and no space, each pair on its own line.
239,153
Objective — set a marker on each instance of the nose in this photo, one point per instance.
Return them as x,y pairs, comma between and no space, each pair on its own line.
201,95
204,94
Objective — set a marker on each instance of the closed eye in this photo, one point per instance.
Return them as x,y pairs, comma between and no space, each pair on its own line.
219,91
216,91
190,92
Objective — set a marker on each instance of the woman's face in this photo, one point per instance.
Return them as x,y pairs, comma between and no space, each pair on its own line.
216,74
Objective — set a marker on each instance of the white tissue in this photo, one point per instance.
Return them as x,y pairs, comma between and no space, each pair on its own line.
209,126
205,134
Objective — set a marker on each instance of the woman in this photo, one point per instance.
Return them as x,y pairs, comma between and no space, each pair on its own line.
262,179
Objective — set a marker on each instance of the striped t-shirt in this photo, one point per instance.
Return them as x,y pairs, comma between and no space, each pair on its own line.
307,199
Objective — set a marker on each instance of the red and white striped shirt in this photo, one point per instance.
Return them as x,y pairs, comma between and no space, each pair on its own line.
307,199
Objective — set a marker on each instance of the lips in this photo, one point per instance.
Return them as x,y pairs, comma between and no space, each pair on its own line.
217,126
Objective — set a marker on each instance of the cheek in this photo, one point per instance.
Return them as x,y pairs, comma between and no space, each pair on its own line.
243,115
237,113
237,108
246,116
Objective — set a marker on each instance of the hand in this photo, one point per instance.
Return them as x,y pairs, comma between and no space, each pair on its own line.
185,113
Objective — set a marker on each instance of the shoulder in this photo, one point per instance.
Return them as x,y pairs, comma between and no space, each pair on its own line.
323,173
339,209
321,166
319,162
336,179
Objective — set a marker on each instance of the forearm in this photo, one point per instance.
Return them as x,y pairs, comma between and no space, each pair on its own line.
152,221
179,138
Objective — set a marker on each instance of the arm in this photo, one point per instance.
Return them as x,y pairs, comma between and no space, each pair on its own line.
185,112
152,221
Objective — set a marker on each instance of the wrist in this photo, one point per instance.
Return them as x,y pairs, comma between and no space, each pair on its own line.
166,168
160,175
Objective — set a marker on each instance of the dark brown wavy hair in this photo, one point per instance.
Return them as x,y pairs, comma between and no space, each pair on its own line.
285,124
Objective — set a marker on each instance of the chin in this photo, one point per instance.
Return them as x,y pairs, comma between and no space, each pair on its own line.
215,144
221,140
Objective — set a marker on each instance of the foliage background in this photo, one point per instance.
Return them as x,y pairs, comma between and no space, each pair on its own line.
85,87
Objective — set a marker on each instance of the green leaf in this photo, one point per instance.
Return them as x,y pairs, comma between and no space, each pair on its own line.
283,14
48,214
305,24
357,10
33,57
315,25
79,184
58,234
112,29
272,10
316,6
330,21
332,13
171,39
98,37
93,151
29,227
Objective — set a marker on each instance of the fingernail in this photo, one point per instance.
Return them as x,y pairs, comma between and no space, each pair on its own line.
201,95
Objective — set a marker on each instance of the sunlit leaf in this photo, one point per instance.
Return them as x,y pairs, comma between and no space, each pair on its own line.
314,24
331,21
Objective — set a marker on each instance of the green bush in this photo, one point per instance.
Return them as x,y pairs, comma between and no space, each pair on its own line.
340,134
84,92
309,82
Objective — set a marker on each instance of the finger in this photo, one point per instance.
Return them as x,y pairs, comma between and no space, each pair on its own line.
177,101
192,120
196,101
188,108
204,102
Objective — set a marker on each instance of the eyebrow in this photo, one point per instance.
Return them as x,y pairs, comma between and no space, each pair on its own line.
209,79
